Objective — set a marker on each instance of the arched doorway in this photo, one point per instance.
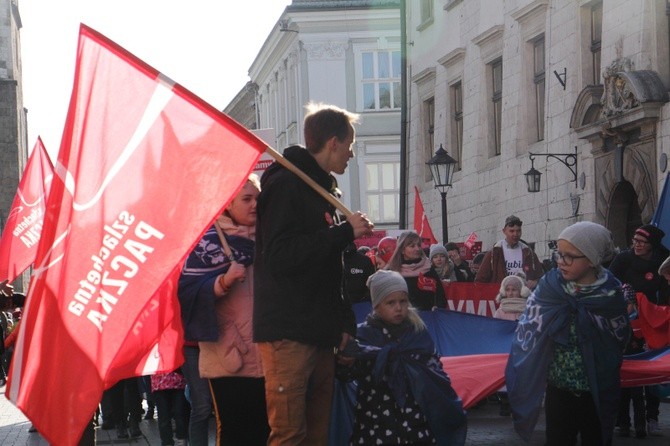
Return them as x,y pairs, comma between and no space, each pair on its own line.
624,214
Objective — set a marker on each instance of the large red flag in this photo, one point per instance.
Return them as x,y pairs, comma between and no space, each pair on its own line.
421,225
23,228
144,167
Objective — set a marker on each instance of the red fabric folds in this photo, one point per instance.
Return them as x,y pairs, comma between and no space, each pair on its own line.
144,168
22,231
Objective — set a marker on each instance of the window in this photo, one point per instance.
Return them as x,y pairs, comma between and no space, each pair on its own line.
380,79
383,190
457,122
429,132
426,10
496,102
538,81
596,38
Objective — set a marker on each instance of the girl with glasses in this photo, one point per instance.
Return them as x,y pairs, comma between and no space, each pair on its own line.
569,344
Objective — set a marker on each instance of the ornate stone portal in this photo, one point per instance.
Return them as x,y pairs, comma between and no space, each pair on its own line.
621,127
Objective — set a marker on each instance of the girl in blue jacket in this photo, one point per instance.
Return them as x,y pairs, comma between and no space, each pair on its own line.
403,394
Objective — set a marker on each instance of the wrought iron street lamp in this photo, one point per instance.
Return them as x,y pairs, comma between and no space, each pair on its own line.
569,160
442,170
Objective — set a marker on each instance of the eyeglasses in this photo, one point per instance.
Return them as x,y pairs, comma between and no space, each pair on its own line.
637,241
565,259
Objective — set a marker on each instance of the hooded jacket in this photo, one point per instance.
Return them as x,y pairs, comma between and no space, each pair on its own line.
298,266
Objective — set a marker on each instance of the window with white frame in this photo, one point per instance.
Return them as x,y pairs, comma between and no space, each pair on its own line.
426,13
382,191
380,79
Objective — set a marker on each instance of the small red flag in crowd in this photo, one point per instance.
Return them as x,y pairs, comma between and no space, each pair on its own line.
421,225
23,228
144,168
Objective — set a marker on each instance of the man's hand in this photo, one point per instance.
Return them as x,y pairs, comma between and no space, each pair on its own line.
342,359
361,224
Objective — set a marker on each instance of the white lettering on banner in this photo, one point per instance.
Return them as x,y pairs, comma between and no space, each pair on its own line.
32,235
124,265
28,220
485,307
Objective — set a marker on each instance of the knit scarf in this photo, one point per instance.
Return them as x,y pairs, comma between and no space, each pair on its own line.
513,304
415,268
204,263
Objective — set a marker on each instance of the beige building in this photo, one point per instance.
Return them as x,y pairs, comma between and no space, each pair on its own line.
13,128
494,81
345,53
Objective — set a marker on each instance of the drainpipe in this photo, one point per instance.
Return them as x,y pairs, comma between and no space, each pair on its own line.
402,224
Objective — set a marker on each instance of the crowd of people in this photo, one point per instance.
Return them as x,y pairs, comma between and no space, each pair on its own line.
266,303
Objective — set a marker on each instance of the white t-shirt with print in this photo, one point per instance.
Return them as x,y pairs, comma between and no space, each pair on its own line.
513,258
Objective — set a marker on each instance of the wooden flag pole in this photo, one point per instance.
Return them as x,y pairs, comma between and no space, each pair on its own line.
303,176
224,243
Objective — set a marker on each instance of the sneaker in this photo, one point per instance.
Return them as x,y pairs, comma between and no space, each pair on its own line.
653,429
180,442
32,429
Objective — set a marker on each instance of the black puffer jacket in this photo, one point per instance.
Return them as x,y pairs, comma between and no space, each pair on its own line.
298,266
642,274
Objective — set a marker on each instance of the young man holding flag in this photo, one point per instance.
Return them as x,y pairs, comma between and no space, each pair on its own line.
299,312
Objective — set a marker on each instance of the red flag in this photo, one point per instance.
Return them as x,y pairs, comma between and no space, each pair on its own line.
421,225
21,233
470,241
144,168
654,322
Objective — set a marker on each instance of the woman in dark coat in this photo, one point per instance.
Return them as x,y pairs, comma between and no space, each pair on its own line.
423,284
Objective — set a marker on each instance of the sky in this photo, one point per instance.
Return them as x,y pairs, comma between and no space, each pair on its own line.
205,45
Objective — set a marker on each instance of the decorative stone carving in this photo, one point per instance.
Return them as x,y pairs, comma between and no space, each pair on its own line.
626,89
617,96
326,50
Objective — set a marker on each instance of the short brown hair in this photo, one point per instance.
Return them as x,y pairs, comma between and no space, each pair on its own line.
513,220
322,122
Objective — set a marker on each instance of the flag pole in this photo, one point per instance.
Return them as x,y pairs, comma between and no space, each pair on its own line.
313,184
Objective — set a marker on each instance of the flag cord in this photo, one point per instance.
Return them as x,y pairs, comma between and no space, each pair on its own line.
313,184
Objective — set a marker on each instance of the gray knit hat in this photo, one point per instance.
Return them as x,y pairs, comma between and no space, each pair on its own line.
592,239
437,249
384,282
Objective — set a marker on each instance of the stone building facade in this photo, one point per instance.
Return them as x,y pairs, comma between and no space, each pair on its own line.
13,127
345,53
494,81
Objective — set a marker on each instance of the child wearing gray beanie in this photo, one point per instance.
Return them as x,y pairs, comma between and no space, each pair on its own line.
402,390
592,239
568,346
382,284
